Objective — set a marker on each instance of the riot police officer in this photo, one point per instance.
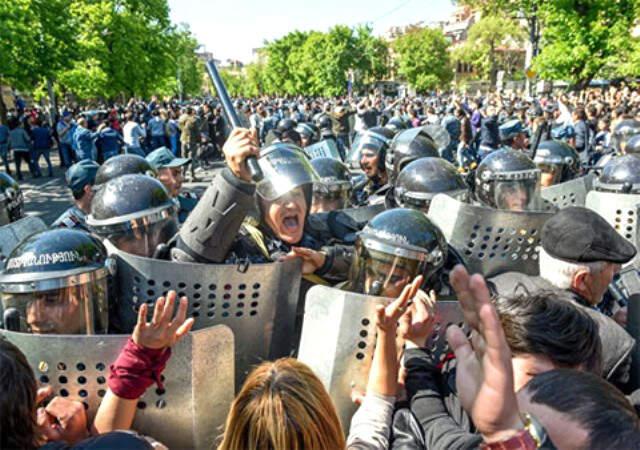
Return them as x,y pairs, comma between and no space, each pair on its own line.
11,200
80,179
170,171
223,233
407,146
513,135
135,213
620,175
369,152
55,282
623,132
333,189
423,178
394,247
396,124
308,134
508,179
121,165
557,161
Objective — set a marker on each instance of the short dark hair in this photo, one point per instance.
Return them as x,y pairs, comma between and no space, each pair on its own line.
17,399
592,402
546,322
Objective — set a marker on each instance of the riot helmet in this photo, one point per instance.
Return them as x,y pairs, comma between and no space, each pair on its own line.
406,147
620,175
122,165
284,194
55,282
623,131
633,145
508,179
11,199
308,134
333,189
558,162
369,149
393,248
396,124
324,124
134,212
423,178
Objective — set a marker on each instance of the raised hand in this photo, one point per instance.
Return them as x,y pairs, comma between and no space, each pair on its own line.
416,325
484,378
240,145
164,330
312,260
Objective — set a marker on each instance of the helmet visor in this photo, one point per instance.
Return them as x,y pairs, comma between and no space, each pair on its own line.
377,273
81,309
285,168
516,195
144,240
550,174
364,141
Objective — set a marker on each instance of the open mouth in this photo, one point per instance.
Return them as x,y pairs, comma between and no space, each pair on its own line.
291,223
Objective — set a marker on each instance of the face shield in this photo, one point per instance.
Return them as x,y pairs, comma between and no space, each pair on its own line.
422,200
330,196
70,310
374,272
371,142
285,168
141,235
516,195
550,174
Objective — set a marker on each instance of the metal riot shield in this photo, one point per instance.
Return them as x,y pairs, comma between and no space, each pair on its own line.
364,214
570,193
338,337
491,241
13,233
620,210
323,149
257,301
198,381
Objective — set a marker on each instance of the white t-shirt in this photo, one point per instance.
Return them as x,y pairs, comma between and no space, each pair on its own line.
132,133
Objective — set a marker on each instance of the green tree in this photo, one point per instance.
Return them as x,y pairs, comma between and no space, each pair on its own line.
581,38
423,58
485,43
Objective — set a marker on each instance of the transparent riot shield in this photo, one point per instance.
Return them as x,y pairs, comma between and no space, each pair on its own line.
257,301
620,210
570,193
13,233
491,241
198,382
338,337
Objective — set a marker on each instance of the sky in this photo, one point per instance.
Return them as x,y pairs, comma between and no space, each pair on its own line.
231,28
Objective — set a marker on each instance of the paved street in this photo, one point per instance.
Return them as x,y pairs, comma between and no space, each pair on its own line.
49,197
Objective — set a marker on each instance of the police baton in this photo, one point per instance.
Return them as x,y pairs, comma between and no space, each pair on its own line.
231,115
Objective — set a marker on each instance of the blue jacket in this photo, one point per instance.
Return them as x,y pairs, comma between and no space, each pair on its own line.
85,143
109,141
41,138
4,134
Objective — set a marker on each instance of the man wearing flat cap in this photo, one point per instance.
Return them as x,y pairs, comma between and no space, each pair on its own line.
171,173
80,178
581,252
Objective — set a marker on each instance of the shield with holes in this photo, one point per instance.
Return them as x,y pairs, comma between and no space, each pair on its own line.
570,193
620,210
338,336
491,241
257,301
13,233
188,412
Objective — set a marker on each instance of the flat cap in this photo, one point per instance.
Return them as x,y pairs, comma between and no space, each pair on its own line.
163,157
81,173
577,234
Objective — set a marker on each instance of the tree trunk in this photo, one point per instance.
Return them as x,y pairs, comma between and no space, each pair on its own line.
3,109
